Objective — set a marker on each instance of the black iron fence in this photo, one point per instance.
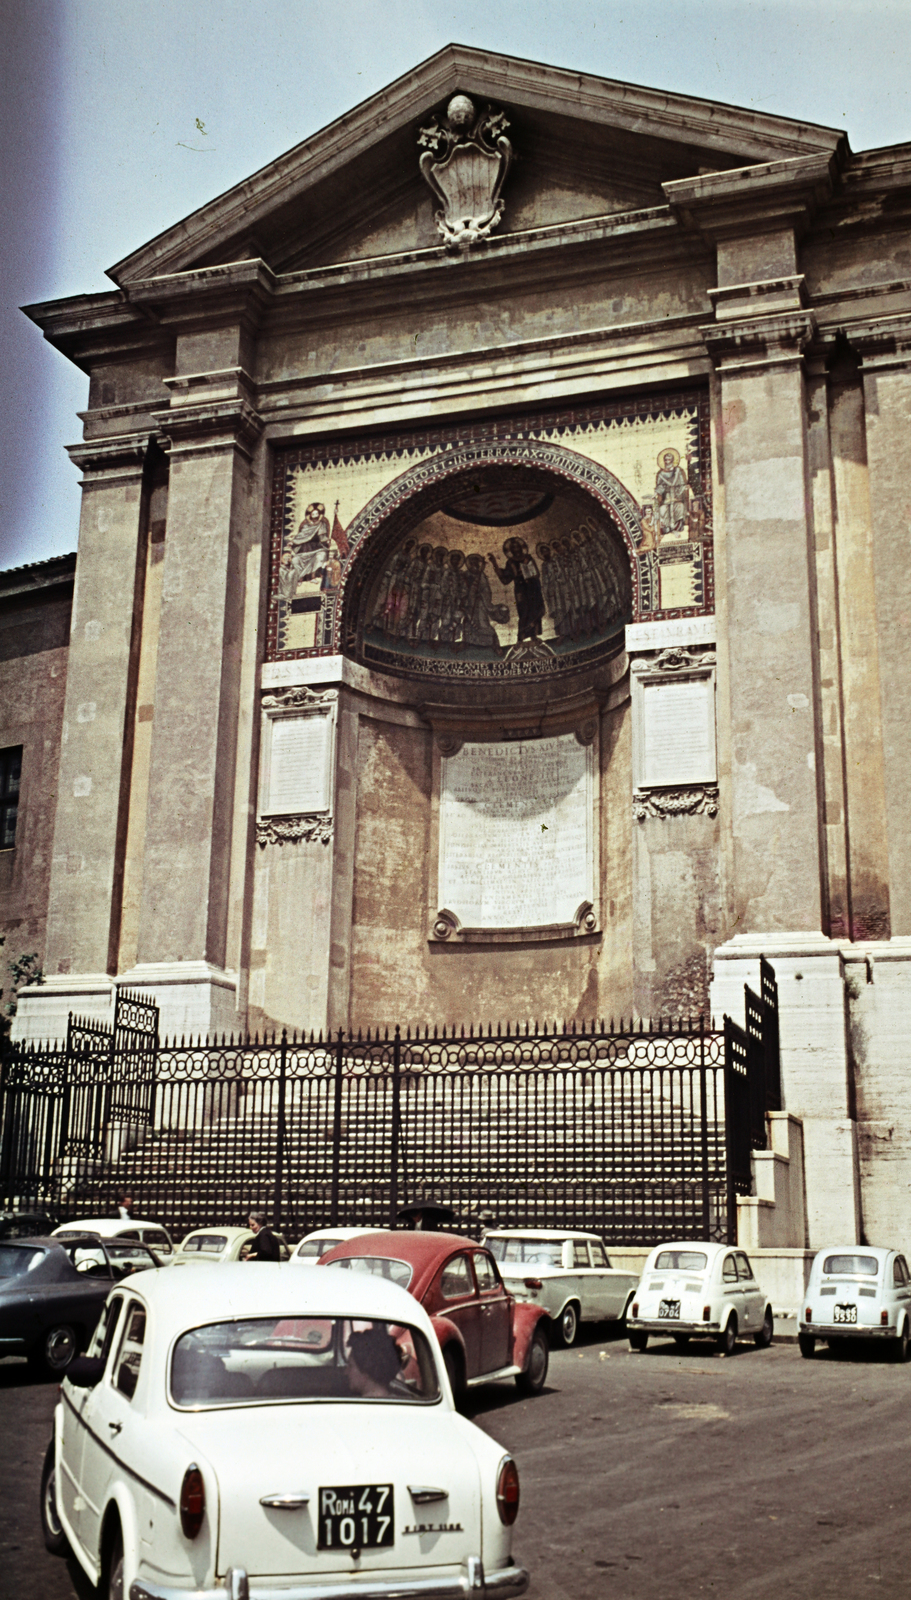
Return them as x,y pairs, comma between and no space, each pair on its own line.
638,1132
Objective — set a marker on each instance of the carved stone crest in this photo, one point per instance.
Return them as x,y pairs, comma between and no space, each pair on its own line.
466,157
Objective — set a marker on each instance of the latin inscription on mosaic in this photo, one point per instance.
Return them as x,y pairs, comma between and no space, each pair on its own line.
298,774
679,736
516,848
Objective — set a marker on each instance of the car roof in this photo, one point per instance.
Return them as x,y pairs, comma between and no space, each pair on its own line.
337,1233
424,1251
229,1230
880,1251
540,1233
107,1227
711,1247
185,1300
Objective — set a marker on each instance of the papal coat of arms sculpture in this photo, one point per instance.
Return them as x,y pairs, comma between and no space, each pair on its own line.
466,158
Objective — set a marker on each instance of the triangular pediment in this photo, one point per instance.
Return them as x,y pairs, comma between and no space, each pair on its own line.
584,147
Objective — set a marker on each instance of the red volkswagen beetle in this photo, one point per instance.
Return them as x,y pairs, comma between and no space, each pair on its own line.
483,1332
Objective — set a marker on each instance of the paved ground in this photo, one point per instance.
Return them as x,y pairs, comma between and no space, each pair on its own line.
653,1477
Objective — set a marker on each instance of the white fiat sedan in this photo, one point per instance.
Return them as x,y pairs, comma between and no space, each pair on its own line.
567,1273
857,1292
699,1291
276,1436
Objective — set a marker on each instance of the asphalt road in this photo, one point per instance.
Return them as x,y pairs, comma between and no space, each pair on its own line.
644,1477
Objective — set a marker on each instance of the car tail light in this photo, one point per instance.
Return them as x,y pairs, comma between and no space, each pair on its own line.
809,1314
706,1313
884,1318
533,1283
192,1501
508,1491
635,1308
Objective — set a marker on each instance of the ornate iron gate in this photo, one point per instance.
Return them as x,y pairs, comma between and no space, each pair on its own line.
637,1132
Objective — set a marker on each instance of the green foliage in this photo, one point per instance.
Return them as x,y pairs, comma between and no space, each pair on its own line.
23,970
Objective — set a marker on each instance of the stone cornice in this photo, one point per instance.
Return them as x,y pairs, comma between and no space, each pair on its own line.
238,292
883,344
759,342
119,455
774,194
222,424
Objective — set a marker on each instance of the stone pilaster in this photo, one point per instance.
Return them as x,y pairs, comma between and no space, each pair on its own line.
93,784
211,430
885,350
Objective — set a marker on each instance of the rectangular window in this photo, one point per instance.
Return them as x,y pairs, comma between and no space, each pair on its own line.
10,775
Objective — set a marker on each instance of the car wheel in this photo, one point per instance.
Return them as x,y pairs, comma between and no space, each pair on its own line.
113,1589
55,1540
637,1340
455,1372
681,1340
727,1340
56,1350
764,1337
898,1350
567,1324
807,1345
532,1380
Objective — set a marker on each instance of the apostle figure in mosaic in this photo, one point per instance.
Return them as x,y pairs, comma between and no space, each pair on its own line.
307,552
521,570
391,608
424,597
671,497
477,627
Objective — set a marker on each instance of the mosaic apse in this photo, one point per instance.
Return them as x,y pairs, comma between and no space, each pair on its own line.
479,550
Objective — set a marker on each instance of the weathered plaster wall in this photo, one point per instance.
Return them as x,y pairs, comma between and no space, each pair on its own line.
34,640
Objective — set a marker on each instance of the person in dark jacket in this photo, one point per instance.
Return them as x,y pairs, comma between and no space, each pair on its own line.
265,1246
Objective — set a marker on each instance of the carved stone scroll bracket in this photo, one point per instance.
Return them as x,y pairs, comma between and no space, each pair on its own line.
699,799
449,744
673,661
586,733
294,830
300,698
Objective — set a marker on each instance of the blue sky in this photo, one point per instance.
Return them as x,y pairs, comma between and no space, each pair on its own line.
118,117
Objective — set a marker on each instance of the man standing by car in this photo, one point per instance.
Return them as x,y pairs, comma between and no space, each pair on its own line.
265,1246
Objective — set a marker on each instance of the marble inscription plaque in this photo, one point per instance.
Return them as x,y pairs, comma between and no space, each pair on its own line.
679,732
516,843
299,762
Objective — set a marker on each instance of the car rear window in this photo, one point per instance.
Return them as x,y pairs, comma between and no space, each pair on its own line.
312,1249
535,1252
399,1272
681,1261
14,1262
252,1361
206,1243
851,1266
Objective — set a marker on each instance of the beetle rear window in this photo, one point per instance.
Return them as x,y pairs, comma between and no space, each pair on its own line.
399,1272
681,1261
14,1262
851,1266
252,1361
206,1243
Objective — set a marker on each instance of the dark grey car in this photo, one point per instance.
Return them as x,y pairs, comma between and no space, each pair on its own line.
52,1292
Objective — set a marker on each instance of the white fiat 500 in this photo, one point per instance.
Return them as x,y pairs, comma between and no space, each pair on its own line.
276,1436
857,1292
699,1291
315,1245
567,1273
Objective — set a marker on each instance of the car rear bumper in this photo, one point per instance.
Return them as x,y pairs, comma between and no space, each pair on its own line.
847,1330
472,1581
664,1325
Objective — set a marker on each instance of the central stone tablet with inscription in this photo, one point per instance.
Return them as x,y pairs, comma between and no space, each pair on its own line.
516,840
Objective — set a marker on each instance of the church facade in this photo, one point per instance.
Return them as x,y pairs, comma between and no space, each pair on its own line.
493,595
